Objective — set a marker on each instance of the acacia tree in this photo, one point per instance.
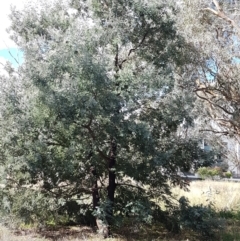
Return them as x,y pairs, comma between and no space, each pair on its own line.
94,110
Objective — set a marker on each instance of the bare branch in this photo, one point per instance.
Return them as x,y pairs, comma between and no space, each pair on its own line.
133,49
13,57
219,12
215,131
213,104
217,5
211,10
130,185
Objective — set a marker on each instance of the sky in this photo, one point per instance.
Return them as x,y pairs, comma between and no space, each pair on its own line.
7,47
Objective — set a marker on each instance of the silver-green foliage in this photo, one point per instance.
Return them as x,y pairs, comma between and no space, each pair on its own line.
94,72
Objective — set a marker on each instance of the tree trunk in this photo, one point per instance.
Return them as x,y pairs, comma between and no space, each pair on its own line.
102,226
95,193
111,181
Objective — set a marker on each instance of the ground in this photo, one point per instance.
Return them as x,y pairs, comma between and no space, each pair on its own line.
224,196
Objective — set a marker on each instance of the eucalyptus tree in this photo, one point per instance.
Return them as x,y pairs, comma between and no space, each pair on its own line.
97,110
213,28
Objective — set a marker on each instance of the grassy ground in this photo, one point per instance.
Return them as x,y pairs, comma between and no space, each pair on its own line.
87,234
7,235
223,195
225,199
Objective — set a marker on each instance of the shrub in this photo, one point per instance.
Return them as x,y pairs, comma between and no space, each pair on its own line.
228,174
215,171
202,172
223,165
199,218
205,172
226,214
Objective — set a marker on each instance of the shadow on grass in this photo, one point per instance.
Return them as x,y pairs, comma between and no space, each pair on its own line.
129,232
136,232
155,232
60,233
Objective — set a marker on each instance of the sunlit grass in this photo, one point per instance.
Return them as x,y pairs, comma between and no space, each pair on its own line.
7,235
223,195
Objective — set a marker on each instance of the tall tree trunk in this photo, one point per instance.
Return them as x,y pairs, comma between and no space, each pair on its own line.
111,181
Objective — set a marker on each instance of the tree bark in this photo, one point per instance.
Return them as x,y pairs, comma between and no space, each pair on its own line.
102,226
111,181
95,193
111,172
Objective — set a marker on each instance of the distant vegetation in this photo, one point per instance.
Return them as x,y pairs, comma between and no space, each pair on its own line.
213,172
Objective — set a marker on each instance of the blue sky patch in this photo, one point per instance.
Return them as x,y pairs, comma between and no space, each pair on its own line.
13,55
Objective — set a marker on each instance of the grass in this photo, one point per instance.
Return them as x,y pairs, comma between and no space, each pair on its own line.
7,235
72,234
225,197
86,234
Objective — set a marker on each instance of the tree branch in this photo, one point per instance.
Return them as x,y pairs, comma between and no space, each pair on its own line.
133,49
130,185
217,5
219,13
116,58
214,131
212,103
88,127
49,143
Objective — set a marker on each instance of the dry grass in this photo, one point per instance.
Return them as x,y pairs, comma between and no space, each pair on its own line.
58,234
7,235
127,233
224,195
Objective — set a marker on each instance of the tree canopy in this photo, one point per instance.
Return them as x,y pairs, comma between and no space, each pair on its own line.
94,118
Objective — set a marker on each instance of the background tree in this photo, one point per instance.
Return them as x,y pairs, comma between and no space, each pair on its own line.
213,28
95,110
